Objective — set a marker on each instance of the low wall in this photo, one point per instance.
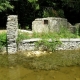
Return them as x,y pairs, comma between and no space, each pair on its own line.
67,44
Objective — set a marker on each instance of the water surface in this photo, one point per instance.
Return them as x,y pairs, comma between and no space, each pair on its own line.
21,73
10,70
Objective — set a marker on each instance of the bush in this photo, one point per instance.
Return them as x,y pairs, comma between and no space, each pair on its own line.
48,45
2,40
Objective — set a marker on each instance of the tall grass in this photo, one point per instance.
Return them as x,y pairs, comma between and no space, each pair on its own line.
62,33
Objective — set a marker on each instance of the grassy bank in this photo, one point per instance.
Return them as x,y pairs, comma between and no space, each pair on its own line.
47,62
51,61
57,59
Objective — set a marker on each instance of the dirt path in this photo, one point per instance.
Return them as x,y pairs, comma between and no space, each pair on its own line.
1,31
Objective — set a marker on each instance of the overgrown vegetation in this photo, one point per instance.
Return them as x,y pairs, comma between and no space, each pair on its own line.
22,36
66,33
49,40
62,33
48,45
2,40
5,5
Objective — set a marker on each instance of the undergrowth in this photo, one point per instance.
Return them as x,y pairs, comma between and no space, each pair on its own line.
49,41
51,45
2,40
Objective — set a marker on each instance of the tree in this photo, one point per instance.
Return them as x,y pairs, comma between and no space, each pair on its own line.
4,5
72,10
73,4
28,10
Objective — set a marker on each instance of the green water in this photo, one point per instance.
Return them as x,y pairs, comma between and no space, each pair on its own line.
21,73
15,67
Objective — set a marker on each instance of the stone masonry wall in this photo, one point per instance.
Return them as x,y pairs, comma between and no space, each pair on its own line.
12,34
67,44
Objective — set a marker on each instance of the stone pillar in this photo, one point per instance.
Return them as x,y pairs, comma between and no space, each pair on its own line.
12,34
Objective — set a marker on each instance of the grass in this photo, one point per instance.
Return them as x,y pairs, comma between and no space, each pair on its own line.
62,33
49,46
49,35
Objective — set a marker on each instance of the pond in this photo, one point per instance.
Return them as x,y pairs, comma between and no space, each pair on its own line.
11,68
21,73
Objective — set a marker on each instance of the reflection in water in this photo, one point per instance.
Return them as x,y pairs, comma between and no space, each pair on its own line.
21,73
14,72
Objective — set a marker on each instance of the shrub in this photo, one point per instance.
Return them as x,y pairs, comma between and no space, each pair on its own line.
65,33
2,40
48,45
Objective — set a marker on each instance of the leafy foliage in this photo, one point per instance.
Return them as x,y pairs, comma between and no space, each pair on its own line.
34,4
4,5
48,45
2,40
73,4
30,9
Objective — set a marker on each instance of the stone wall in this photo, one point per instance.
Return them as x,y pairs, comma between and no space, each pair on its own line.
12,34
28,44
67,44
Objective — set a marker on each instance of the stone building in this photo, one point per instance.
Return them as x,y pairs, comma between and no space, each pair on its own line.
49,24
